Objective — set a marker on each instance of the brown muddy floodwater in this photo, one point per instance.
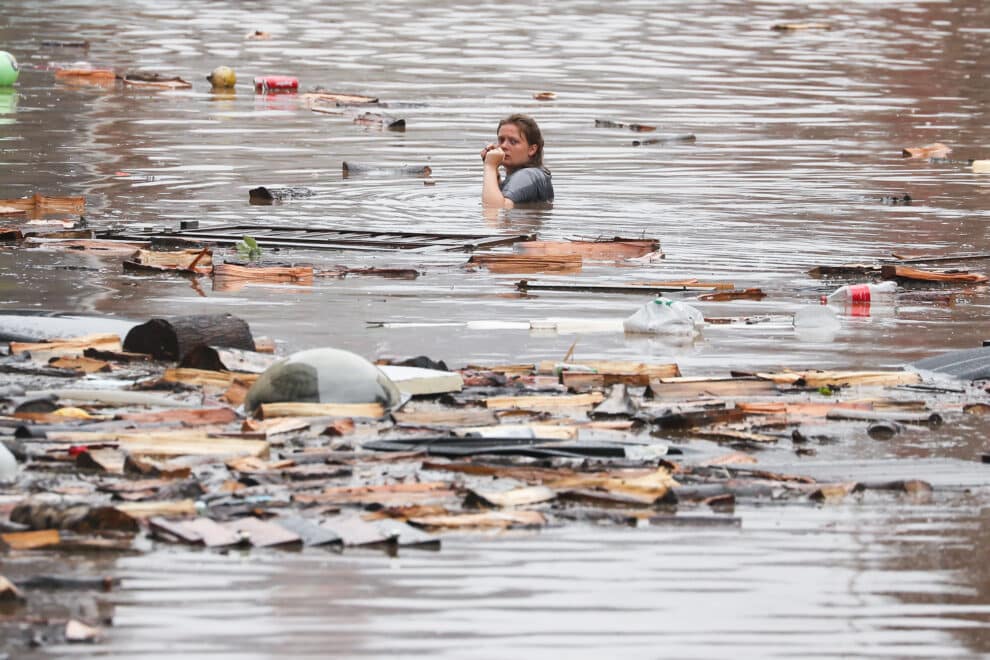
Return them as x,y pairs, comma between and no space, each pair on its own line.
798,136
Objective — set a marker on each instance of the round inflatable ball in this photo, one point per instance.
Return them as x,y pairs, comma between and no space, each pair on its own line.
222,77
8,69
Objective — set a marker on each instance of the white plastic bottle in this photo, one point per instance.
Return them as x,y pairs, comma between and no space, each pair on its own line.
862,293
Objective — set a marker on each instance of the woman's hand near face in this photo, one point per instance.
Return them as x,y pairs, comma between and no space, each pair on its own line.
493,156
488,147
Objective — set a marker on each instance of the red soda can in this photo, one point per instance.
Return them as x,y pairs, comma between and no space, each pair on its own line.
267,84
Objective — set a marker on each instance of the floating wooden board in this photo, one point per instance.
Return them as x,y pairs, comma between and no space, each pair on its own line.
843,378
526,285
328,238
615,249
892,272
233,273
934,150
544,402
611,368
170,83
41,205
678,389
524,263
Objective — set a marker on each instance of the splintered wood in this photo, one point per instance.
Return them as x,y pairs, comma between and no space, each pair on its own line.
39,205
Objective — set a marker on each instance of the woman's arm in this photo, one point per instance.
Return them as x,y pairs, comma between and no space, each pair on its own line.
491,194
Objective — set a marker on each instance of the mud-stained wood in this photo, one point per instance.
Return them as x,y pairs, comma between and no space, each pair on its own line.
896,272
520,473
934,150
691,388
732,435
224,274
488,520
843,378
615,249
163,83
338,98
370,410
798,408
184,416
795,27
544,402
735,294
81,364
444,416
388,494
629,373
523,263
190,261
844,270
150,509
103,75
216,358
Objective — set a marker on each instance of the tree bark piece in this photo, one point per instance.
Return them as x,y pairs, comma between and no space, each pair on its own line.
172,339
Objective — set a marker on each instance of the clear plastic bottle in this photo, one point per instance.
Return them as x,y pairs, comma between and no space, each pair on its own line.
862,293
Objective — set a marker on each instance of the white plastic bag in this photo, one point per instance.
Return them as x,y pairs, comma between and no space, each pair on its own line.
665,317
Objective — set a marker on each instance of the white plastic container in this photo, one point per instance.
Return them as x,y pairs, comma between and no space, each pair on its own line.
664,316
862,293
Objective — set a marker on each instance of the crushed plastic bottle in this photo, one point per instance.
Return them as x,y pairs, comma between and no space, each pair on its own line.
816,323
665,316
8,465
861,293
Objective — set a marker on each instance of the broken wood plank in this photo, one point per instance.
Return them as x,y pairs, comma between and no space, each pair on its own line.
338,98
81,364
488,520
166,443
543,402
41,538
629,373
353,531
794,27
902,273
444,416
39,204
815,379
934,150
203,378
731,435
185,416
924,418
905,258
691,388
67,347
734,294
522,496
230,275
291,409
177,508
401,493
9,593
526,285
615,249
524,263
183,261
845,270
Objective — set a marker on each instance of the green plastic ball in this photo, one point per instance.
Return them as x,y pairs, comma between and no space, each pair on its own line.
8,69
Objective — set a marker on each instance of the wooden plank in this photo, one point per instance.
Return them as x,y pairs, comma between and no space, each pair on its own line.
892,272
41,538
544,402
444,416
166,443
523,496
614,371
732,435
522,263
934,150
81,364
816,379
676,388
402,493
615,249
68,347
487,520
151,509
635,289
356,532
369,410
734,294
185,416
42,204
227,274
204,378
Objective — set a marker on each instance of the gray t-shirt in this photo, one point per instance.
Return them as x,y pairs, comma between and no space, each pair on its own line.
530,184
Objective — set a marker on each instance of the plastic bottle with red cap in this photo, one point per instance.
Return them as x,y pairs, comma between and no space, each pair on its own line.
862,293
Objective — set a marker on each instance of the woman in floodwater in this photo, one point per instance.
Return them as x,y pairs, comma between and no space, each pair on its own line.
520,151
